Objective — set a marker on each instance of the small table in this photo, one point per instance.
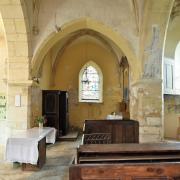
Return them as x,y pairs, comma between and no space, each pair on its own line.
29,147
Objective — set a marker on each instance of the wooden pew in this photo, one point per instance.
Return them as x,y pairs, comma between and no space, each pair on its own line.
127,161
29,147
121,153
110,131
144,171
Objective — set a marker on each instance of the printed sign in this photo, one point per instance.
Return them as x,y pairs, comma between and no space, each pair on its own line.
2,106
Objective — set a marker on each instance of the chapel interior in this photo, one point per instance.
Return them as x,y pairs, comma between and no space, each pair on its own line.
73,61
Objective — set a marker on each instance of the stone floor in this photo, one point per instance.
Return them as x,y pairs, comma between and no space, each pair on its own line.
59,157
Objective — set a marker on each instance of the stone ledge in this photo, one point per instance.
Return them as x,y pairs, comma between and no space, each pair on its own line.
150,130
20,83
149,138
153,121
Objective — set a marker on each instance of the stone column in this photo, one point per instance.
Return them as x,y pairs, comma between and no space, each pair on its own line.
146,96
36,103
146,107
19,111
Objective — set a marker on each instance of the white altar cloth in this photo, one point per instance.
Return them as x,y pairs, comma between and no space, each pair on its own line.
23,146
117,117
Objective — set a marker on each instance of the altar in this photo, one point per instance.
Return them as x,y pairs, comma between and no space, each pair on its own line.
29,147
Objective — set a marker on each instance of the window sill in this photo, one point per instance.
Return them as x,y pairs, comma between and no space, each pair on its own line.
172,92
89,101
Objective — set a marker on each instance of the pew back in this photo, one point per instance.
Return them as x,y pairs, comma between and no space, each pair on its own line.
145,171
147,161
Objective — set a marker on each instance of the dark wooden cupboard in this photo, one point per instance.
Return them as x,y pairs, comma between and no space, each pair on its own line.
55,108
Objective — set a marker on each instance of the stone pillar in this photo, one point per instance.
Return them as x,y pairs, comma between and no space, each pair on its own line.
146,107
17,67
36,103
18,116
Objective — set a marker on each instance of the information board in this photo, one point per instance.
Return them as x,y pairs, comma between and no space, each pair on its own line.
2,106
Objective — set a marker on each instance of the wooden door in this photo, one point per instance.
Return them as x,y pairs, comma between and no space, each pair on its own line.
50,103
63,111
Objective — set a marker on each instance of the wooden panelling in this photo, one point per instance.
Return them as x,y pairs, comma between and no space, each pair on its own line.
122,131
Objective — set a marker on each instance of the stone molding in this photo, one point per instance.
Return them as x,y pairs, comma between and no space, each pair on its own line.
146,81
21,83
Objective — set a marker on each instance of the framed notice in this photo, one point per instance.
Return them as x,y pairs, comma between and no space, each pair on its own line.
2,106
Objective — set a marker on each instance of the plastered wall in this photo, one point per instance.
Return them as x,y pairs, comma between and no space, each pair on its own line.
66,77
171,115
61,12
172,102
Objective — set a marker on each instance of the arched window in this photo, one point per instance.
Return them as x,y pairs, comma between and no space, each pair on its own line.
177,68
90,83
172,73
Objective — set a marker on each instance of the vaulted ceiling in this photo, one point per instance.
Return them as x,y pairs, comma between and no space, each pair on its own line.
88,35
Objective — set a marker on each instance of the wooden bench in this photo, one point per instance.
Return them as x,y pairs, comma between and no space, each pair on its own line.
110,131
144,171
145,152
127,161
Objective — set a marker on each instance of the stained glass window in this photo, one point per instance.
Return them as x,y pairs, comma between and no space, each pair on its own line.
90,84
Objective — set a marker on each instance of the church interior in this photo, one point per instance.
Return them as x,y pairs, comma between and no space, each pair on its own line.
68,62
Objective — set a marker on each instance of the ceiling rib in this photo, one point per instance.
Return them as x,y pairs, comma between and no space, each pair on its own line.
76,36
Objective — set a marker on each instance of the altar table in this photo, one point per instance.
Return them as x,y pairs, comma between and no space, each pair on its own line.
29,146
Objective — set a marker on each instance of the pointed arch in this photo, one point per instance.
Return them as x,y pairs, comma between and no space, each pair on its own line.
80,24
177,67
90,83
16,24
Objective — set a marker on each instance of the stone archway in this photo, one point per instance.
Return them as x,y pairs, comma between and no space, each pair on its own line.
17,81
80,24
75,29
16,28
171,92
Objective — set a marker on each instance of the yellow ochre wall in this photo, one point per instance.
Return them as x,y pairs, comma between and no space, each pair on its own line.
66,77
171,115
